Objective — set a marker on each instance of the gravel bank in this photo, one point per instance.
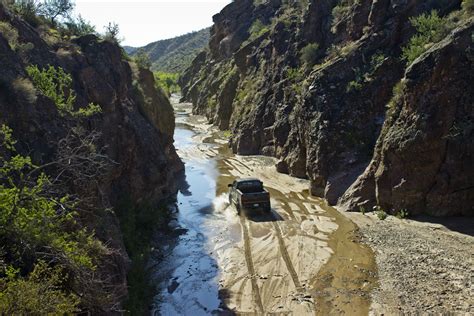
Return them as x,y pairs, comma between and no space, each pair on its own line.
422,267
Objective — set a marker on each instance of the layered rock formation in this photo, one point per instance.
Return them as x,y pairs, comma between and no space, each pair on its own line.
135,127
325,116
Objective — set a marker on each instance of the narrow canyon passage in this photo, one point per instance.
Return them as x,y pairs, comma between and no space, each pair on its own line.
302,258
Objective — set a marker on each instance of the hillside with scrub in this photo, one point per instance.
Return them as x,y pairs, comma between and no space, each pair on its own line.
173,55
79,125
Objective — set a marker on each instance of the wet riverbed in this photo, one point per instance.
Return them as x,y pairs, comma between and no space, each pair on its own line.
302,258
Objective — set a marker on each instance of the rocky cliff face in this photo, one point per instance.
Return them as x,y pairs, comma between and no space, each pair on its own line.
135,127
309,83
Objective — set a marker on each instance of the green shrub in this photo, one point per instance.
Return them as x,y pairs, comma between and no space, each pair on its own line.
354,85
309,54
381,214
376,61
89,110
55,84
431,28
403,213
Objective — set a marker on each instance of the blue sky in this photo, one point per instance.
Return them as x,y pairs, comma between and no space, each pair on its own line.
142,22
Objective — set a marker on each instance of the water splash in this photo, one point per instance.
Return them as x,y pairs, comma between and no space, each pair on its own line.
221,203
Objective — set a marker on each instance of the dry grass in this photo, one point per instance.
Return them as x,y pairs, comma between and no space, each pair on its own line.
24,88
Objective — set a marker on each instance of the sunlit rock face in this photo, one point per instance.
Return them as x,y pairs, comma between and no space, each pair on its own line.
327,122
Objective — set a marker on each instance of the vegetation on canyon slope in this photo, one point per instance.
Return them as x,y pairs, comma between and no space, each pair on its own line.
54,213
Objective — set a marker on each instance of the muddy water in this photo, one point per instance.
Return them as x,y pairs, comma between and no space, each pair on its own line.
303,258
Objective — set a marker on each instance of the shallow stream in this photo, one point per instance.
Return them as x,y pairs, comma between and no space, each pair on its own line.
302,258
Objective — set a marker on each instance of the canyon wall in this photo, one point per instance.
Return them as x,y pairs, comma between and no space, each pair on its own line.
323,87
133,132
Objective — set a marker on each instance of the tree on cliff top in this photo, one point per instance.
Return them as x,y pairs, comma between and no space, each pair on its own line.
54,8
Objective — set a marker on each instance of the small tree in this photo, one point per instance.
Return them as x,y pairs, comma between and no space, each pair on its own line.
54,8
142,59
112,32
79,26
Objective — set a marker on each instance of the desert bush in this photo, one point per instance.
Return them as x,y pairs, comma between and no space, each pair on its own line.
468,6
9,33
309,54
381,214
341,11
431,28
403,213
294,74
25,89
257,29
29,10
39,293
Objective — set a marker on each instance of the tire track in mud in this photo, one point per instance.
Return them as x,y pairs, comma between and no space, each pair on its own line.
250,266
286,258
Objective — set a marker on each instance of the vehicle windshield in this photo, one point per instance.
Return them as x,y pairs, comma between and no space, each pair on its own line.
250,186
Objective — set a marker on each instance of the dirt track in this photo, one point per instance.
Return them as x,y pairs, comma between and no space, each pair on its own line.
302,259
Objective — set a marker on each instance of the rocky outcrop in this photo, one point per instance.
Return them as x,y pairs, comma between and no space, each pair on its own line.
423,157
321,121
135,127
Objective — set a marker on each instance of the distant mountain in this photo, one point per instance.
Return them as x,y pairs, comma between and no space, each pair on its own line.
129,49
175,54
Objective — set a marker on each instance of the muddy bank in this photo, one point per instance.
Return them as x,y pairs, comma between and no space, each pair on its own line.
423,266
